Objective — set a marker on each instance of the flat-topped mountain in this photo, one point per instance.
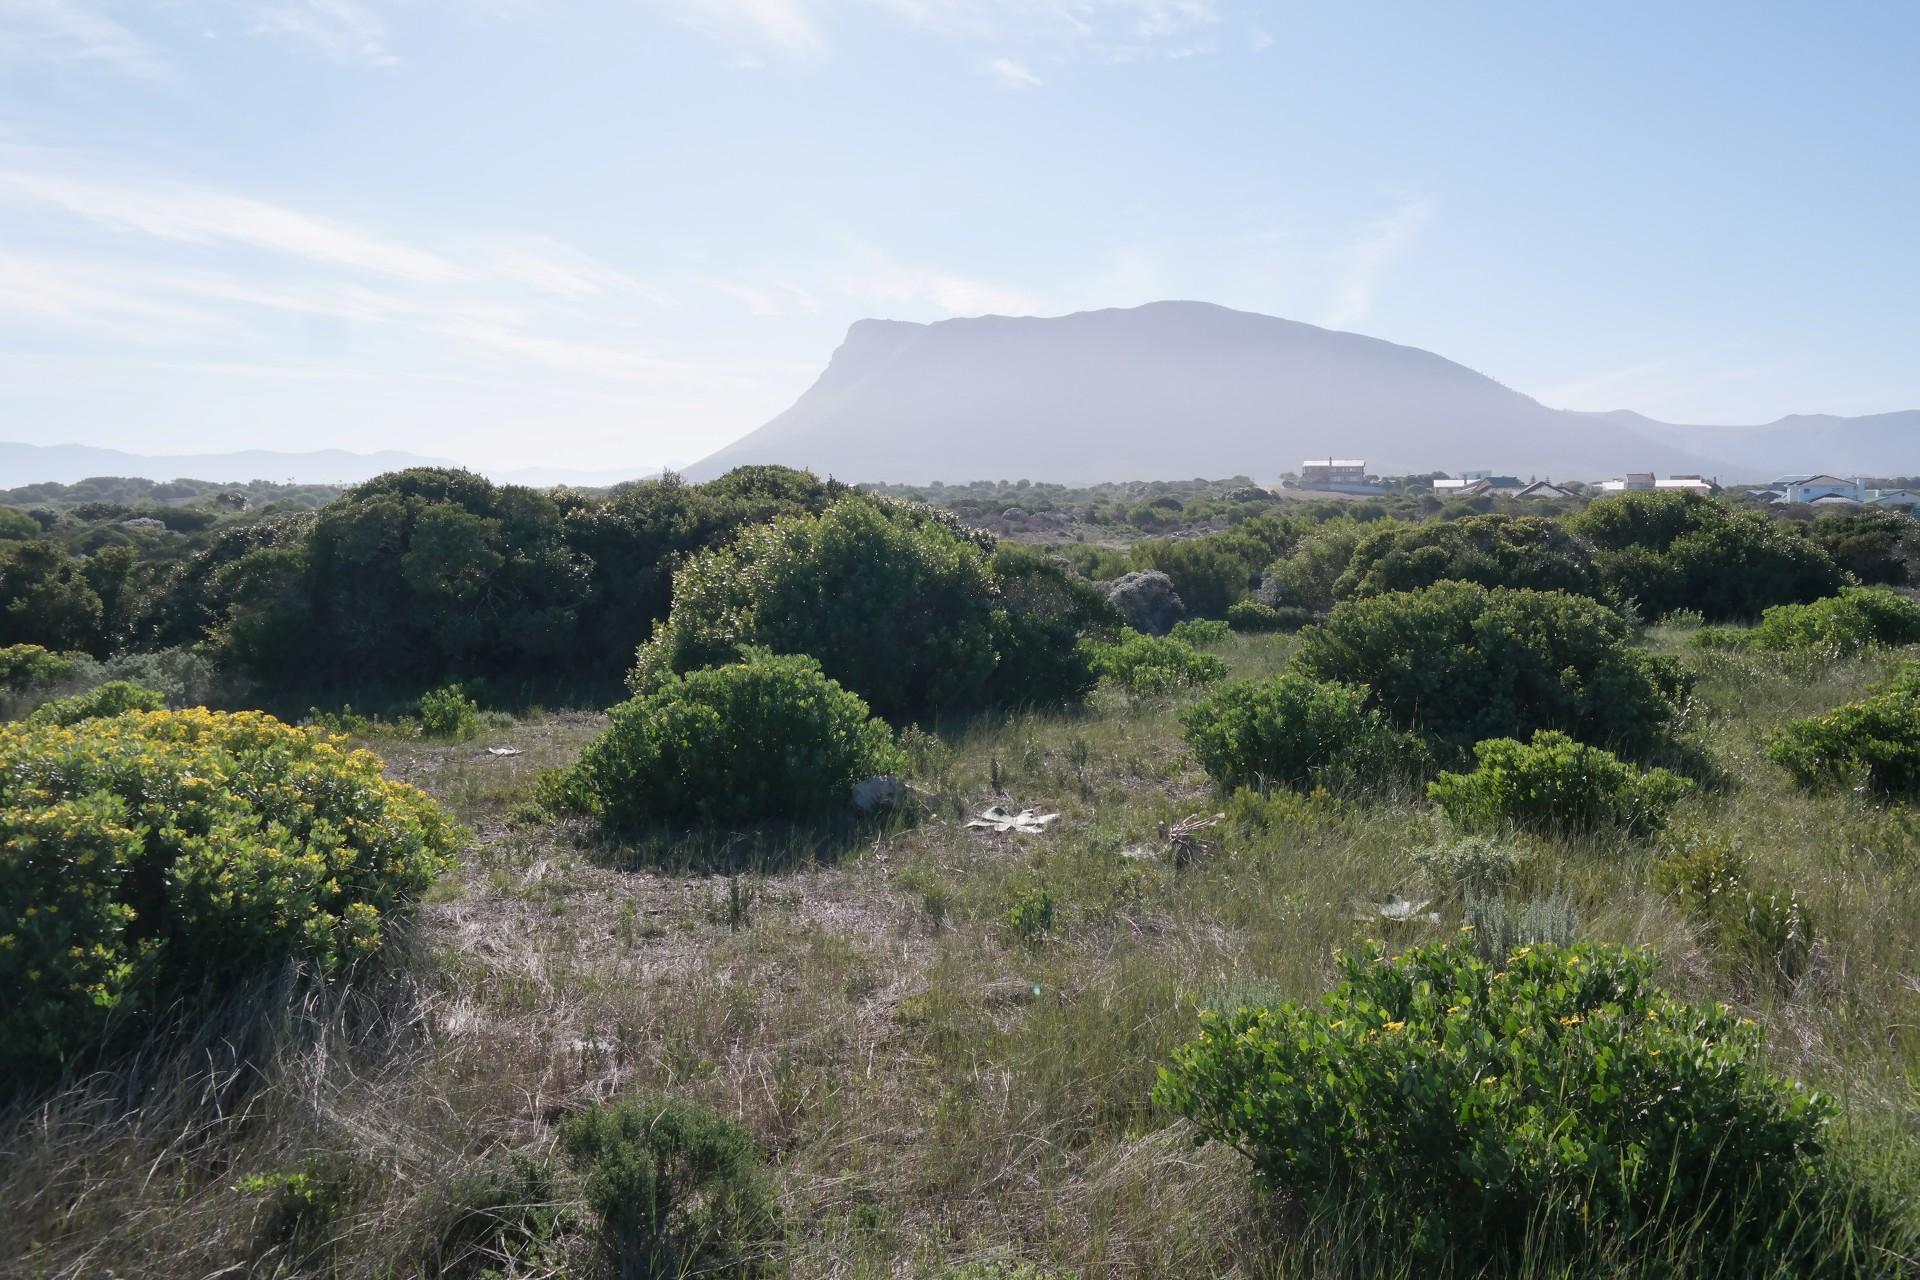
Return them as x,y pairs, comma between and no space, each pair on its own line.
1177,389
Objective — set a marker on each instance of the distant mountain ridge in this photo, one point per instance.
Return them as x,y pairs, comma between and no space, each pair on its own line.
1182,389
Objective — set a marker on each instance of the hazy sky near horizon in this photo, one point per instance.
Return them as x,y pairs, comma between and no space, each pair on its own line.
619,233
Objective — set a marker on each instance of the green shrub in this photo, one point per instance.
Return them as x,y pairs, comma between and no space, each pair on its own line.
1290,730
678,1190
449,713
1667,551
1305,579
1039,632
1201,632
1145,666
508,1210
1873,745
1757,926
25,666
895,606
1460,663
154,854
1836,627
767,738
1030,919
1251,616
1474,865
1476,1109
1556,784
1492,550
109,699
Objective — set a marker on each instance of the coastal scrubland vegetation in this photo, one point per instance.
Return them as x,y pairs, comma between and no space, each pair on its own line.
1442,897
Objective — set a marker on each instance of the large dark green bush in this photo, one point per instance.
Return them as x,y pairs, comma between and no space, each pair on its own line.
1556,784
1873,744
1252,617
1044,629
641,533
1875,545
767,738
1492,550
1460,663
1554,1099
897,607
151,855
46,599
679,1191
1291,730
1676,550
1212,572
1837,626
1306,576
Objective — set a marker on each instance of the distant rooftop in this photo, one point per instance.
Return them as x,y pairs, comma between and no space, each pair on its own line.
1334,462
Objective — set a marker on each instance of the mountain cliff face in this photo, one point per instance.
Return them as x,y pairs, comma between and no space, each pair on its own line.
1181,389
1172,389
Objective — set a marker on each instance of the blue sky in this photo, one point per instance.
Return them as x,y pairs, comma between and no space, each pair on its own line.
611,233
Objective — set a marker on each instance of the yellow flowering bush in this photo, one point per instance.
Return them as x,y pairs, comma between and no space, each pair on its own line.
160,854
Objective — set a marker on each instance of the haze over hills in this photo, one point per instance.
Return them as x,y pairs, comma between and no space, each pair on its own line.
1180,389
24,464
1170,390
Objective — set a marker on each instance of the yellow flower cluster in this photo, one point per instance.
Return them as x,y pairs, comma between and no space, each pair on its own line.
178,847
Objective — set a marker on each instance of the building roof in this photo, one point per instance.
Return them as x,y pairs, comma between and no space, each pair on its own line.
1834,500
1334,462
1544,489
1822,480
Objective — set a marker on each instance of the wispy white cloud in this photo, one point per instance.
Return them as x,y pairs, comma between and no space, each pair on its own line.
770,300
1009,74
951,294
1259,40
1361,266
800,30
791,30
78,35
345,30
186,213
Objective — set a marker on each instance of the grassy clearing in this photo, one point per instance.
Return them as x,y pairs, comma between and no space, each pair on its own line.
940,1071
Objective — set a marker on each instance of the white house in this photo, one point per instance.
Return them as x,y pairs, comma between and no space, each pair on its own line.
1690,484
1811,488
1902,498
1632,482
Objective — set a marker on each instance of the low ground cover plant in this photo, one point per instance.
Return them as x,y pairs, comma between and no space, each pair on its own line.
1835,627
1292,730
1553,783
1147,666
1555,1097
770,737
677,1190
156,854
1460,663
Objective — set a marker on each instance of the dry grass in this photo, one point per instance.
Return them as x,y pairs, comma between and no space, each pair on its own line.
930,1087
